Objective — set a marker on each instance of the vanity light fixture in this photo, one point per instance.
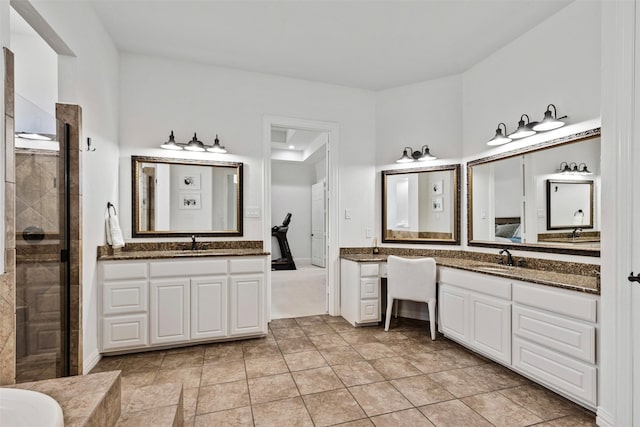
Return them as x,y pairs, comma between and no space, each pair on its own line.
171,144
195,145
550,121
524,129
574,169
582,169
500,138
408,155
217,148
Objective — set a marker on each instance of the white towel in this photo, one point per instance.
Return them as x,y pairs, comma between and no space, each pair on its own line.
114,233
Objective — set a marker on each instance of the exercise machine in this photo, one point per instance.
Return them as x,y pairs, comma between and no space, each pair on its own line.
280,233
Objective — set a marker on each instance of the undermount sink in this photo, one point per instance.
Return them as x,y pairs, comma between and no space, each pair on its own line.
27,408
494,268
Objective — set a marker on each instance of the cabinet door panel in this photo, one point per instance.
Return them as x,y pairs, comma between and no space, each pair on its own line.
169,310
246,304
453,313
369,310
369,287
491,326
122,332
124,297
208,307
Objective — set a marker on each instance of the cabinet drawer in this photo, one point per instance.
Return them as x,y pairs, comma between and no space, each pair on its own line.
202,267
124,270
369,270
369,310
125,332
369,288
564,373
560,301
127,297
477,282
247,265
560,334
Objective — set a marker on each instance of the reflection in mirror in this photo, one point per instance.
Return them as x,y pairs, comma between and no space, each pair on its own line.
185,197
421,205
509,204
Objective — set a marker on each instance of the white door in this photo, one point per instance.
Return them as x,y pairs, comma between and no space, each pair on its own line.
209,307
318,224
453,312
169,312
246,304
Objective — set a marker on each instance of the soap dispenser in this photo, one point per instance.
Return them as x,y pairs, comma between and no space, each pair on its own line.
376,250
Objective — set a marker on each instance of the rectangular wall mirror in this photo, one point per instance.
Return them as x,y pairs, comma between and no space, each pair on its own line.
179,197
544,198
421,205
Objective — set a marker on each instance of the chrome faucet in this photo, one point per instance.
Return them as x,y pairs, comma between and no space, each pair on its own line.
194,244
575,232
509,257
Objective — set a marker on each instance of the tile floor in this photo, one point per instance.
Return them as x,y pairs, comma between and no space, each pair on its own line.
320,371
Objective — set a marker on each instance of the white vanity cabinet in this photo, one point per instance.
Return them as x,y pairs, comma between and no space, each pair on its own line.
360,292
475,310
147,303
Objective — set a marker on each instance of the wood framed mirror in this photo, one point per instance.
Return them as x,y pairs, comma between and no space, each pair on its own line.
421,205
510,204
180,197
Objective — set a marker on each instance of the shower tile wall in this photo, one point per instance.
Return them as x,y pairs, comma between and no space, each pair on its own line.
38,303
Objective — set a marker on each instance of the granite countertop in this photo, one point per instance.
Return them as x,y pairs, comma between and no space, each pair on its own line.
576,282
180,253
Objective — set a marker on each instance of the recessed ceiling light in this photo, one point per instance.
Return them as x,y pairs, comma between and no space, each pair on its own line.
291,147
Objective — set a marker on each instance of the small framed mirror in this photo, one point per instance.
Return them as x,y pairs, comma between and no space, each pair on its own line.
421,205
569,204
180,197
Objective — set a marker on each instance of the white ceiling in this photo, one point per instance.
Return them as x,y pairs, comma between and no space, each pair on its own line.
357,43
297,145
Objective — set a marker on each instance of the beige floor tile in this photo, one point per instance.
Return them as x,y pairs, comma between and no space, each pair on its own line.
317,380
189,422
327,341
333,319
544,403
287,412
408,347
157,417
154,396
142,361
135,380
357,373
421,390
359,423
275,387
582,420
410,417
358,337
462,358
431,362
341,326
183,360
395,367
333,407
295,345
501,411
288,333
222,372
340,355
223,352
190,401
379,398
496,376
317,329
265,366
459,383
262,349
188,377
453,413
390,336
223,396
304,360
309,320
282,323
375,350
238,417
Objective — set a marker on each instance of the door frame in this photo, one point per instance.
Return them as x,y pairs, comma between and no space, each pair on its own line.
332,145
323,181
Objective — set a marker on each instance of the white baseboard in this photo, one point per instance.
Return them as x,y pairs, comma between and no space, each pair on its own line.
90,362
604,418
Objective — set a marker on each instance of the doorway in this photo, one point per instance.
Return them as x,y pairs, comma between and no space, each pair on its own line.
302,178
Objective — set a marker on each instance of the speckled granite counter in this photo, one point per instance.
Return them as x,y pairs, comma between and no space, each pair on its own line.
86,400
577,282
158,250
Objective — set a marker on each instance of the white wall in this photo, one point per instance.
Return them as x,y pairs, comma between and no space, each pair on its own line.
90,80
159,95
291,192
556,62
184,219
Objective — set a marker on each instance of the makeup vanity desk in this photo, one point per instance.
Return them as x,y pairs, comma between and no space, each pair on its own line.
542,324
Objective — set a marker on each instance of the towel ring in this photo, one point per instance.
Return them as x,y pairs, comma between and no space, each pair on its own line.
109,206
